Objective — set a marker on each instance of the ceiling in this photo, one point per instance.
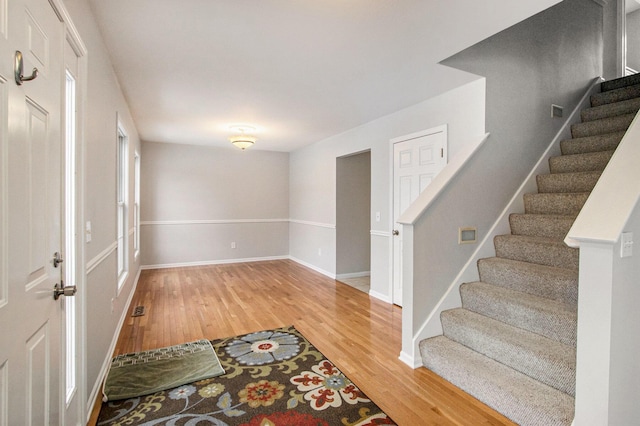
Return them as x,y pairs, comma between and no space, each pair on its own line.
298,71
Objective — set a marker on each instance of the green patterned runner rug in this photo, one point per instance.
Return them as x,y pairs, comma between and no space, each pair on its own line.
144,373
272,378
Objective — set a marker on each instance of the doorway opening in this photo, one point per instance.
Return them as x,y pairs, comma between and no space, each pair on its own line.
632,37
353,220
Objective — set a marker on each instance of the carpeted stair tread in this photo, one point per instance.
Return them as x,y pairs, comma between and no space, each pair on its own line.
524,400
541,225
617,83
549,318
587,162
540,250
630,106
539,357
615,95
560,203
606,142
550,282
568,182
602,126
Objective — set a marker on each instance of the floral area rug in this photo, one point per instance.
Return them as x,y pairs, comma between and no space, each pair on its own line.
273,378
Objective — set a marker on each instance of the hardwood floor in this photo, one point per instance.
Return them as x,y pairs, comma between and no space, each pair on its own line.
360,334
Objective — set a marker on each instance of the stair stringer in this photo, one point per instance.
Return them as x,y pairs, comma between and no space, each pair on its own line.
432,326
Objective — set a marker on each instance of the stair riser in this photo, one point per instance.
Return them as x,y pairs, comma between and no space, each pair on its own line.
540,225
559,326
559,255
567,182
601,127
555,371
580,162
552,283
554,203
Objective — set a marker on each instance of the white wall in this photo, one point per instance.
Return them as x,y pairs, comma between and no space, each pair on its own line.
625,332
196,201
105,104
313,177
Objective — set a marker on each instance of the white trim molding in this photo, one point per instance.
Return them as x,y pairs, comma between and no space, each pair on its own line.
315,268
104,254
212,262
380,233
353,275
210,221
319,224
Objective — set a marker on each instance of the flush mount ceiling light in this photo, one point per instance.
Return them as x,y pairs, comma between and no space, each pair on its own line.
242,140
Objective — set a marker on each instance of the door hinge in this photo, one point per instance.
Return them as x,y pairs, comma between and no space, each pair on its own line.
441,152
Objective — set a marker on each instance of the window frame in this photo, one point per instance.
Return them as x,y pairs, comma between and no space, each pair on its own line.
122,205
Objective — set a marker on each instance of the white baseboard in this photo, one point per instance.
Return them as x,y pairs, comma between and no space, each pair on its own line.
380,296
353,275
314,267
212,262
408,359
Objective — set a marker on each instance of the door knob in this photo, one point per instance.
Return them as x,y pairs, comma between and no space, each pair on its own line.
396,232
62,290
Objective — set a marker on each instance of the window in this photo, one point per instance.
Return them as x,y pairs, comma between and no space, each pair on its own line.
70,246
136,204
122,175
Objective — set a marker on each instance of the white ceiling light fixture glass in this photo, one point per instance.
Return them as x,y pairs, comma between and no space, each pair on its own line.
242,140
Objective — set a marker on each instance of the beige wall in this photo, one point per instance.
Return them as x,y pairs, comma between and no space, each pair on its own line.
313,177
197,201
353,215
104,107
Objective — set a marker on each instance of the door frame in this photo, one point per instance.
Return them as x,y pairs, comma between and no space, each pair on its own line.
392,255
72,37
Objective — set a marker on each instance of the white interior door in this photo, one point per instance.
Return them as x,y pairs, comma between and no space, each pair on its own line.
31,360
417,159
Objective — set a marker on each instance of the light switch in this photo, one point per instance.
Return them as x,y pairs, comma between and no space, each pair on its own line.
626,244
87,232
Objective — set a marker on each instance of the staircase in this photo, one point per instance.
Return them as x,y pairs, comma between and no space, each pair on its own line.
512,344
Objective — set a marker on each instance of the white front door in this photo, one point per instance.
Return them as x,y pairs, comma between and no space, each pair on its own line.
31,358
417,159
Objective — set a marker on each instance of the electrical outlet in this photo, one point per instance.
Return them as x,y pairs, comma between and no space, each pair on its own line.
233,244
87,232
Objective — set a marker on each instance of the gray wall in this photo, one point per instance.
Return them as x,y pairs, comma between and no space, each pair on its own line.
549,58
196,201
353,219
633,40
105,104
313,177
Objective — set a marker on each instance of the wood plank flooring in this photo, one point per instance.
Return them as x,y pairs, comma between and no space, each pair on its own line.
360,334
